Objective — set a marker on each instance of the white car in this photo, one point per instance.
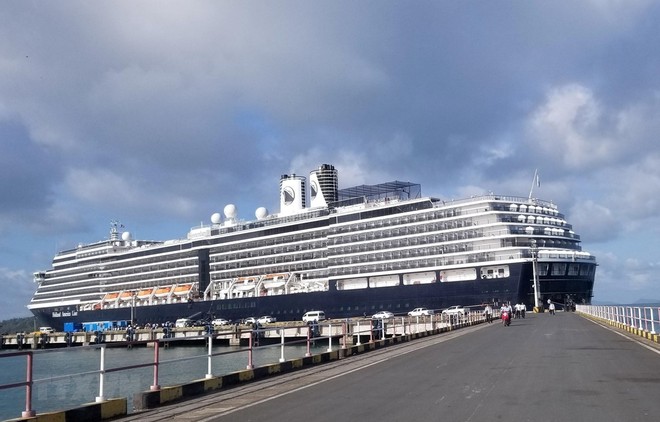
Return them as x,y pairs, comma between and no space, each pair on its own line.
183,322
219,321
266,319
455,310
313,316
382,315
421,312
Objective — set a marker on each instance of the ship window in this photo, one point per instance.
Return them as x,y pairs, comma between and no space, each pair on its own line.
558,269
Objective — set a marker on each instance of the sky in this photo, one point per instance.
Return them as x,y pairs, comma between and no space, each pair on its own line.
158,114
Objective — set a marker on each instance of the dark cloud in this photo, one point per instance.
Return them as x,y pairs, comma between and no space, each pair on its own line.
160,115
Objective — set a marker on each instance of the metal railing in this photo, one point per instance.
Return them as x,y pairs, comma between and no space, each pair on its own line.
640,317
373,329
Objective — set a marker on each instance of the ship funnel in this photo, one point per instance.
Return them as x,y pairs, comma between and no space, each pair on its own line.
323,186
292,194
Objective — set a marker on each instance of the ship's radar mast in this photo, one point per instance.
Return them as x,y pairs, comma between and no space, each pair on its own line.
114,232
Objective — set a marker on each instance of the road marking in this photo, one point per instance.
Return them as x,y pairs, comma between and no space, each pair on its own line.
654,350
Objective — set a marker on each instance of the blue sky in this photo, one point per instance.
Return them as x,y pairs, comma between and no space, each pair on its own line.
159,114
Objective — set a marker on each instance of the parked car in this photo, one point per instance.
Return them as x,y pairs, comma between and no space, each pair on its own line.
183,322
382,315
220,321
250,320
455,310
266,319
421,312
314,316
46,330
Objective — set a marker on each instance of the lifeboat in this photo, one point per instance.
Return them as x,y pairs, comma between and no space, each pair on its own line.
110,296
182,289
244,284
273,281
145,293
127,295
163,291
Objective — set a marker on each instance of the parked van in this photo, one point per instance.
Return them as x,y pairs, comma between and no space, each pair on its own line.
183,322
313,316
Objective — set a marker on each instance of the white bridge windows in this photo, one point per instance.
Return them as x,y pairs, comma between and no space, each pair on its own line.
495,271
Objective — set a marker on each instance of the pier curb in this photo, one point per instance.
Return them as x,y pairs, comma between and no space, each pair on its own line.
654,337
89,412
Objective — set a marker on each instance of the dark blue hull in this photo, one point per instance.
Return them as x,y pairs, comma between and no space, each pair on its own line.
517,288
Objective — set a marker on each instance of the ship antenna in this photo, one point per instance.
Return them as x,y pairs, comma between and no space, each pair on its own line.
536,181
114,233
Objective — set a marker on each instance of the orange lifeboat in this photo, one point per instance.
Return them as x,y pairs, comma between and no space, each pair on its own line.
163,291
110,296
128,295
145,293
182,290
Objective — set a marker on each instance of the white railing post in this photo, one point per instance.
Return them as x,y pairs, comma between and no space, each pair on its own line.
653,320
101,397
209,365
281,345
329,337
358,333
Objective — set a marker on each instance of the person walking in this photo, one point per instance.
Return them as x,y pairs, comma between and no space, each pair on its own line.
488,312
552,308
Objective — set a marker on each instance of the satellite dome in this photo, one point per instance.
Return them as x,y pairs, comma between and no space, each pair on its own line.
126,236
216,218
230,211
261,213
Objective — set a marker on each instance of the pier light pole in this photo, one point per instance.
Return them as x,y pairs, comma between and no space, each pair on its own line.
133,307
534,251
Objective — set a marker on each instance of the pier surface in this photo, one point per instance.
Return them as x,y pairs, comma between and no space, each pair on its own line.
541,368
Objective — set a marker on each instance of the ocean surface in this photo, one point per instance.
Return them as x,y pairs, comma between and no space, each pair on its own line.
72,391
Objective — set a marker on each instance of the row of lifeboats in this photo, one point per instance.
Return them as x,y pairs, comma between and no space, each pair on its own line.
268,282
148,293
248,286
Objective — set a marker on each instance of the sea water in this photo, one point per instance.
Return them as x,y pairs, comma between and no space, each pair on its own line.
52,392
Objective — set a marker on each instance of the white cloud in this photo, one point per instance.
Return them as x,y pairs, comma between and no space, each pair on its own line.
19,283
570,125
113,191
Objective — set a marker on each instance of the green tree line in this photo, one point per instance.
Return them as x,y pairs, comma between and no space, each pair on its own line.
17,325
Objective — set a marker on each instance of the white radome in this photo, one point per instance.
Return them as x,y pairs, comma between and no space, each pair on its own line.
261,213
126,236
216,218
230,211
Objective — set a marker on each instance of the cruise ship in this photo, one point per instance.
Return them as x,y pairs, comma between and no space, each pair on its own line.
349,252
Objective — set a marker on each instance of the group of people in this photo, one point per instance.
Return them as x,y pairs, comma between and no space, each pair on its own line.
507,312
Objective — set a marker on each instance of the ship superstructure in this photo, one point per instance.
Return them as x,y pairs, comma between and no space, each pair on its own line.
352,251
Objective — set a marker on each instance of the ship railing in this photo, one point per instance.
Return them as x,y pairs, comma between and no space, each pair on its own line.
643,318
504,198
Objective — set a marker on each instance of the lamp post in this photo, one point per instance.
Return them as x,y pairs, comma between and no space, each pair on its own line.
133,307
534,251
